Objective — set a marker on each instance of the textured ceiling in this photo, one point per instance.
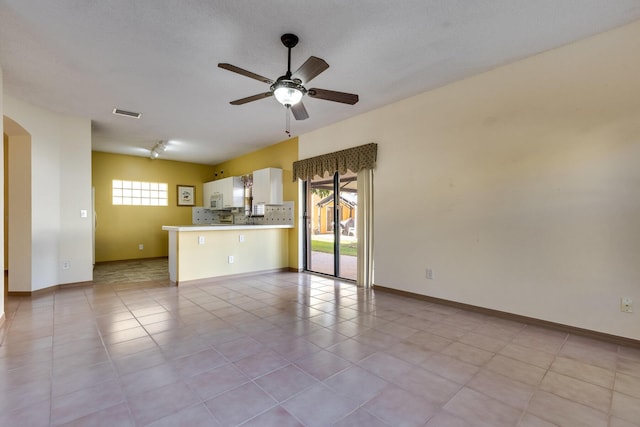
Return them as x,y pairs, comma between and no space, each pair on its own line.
159,57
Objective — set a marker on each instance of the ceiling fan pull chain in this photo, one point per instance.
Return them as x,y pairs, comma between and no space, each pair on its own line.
287,114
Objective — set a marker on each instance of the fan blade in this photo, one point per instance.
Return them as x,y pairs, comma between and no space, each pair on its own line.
251,98
246,73
299,112
310,69
331,95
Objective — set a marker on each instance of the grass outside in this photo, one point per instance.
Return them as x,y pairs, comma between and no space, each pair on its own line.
346,248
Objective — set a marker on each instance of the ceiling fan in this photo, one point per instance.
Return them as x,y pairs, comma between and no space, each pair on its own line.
289,88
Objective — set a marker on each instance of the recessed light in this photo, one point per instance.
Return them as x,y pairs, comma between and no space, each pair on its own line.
126,113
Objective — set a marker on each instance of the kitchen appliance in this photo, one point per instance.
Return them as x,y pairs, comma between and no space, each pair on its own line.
216,201
225,218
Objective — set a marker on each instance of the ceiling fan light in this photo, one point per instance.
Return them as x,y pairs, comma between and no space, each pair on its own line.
287,95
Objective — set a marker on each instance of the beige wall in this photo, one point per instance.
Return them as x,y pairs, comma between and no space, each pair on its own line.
60,171
121,229
518,187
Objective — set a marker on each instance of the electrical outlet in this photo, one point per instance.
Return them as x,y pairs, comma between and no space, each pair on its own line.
141,247
66,265
201,240
626,305
83,213
429,274
231,259
241,238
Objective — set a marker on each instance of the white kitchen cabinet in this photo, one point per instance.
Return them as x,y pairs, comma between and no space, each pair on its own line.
231,188
208,188
267,189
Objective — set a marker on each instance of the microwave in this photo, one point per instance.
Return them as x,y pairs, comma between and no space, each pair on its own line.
216,201
225,218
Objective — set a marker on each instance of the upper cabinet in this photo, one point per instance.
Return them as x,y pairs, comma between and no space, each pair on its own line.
231,190
267,189
208,189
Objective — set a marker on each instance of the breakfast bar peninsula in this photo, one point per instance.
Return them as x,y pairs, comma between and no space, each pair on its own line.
200,252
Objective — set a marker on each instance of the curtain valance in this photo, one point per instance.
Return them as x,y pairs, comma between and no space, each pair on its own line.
354,159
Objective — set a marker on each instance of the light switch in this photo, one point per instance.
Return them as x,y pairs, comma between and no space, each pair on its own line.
83,213
201,240
241,238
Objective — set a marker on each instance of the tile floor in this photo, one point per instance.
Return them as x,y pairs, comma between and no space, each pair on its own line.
288,349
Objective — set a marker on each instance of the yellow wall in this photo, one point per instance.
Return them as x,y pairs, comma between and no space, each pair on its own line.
281,155
120,229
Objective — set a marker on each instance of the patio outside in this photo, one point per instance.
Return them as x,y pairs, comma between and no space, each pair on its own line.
330,215
322,255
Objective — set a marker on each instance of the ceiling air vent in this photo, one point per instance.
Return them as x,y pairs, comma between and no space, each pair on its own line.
126,113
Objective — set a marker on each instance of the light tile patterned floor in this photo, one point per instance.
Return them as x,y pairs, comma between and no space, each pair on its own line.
287,349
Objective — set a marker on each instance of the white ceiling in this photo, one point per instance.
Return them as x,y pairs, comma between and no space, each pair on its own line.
159,57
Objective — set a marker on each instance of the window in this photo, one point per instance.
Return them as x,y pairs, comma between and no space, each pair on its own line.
138,193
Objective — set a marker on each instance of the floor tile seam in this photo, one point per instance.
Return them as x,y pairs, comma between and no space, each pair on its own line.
526,411
60,396
52,423
546,370
180,380
201,402
624,394
458,341
507,342
321,383
106,345
125,402
361,408
351,365
460,385
523,409
103,346
5,328
626,359
575,377
227,361
252,381
510,341
539,389
278,404
111,364
480,367
262,374
7,412
394,385
632,357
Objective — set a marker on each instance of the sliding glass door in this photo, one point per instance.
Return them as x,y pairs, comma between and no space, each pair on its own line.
331,233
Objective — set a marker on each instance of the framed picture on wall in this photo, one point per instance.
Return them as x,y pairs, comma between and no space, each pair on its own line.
186,195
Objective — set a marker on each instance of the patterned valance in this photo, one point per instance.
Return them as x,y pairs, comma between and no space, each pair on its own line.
354,159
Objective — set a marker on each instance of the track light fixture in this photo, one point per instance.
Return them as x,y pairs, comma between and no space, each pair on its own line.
160,147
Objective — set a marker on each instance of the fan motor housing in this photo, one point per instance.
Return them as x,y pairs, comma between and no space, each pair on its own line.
289,40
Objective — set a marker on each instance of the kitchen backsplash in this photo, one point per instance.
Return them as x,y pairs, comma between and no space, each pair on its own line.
200,215
273,214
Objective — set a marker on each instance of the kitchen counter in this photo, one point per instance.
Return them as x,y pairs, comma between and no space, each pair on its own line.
200,252
221,227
